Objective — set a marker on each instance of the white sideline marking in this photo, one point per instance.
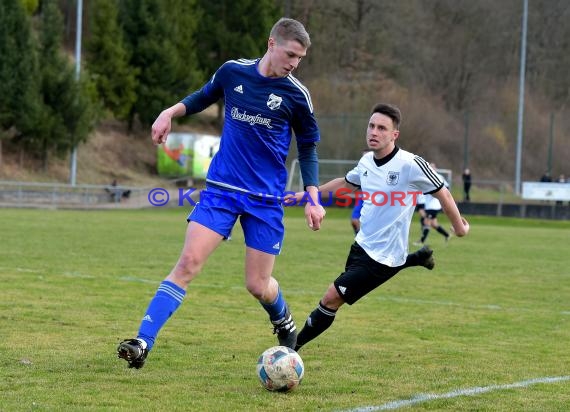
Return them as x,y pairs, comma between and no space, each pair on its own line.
440,303
424,397
134,279
459,305
28,270
78,275
302,292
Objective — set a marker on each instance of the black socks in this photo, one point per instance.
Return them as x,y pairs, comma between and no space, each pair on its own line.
318,321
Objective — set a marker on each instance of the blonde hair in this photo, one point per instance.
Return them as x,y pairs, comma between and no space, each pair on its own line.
290,29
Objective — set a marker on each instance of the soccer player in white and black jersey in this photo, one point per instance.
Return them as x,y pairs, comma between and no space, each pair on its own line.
264,104
392,178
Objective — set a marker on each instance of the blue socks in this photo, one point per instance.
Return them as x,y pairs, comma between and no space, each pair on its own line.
277,309
168,298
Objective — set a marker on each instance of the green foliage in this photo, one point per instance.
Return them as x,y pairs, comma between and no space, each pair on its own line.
18,70
494,311
232,30
30,5
152,34
184,23
67,114
107,60
43,106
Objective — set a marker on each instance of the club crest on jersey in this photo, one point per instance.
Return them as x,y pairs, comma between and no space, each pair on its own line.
274,101
393,178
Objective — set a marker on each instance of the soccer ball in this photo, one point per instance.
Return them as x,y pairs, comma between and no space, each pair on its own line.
280,369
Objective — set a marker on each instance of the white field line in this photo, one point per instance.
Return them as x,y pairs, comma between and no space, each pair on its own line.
78,275
139,280
420,398
396,299
300,292
460,305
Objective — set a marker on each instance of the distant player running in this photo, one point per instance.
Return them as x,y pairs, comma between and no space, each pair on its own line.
432,208
264,104
380,249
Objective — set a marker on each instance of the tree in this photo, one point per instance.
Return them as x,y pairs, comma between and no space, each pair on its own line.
67,113
549,51
30,5
184,26
107,60
18,72
154,33
453,49
230,30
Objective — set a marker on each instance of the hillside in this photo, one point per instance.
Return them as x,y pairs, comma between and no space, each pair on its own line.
110,153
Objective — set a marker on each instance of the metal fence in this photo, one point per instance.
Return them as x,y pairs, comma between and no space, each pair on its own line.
26,194
495,198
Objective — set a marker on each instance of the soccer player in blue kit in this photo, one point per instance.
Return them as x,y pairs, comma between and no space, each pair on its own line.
264,104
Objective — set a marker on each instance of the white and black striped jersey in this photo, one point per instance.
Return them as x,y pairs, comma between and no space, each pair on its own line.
432,203
393,185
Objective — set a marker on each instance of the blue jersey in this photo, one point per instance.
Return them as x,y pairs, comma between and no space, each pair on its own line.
260,115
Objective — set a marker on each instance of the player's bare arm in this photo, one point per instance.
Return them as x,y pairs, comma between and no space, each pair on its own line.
163,123
329,187
459,224
314,212
335,184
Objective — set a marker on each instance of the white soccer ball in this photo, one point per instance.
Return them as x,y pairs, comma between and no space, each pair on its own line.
280,369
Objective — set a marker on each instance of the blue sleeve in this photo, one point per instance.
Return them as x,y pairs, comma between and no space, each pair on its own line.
197,101
308,163
304,123
209,94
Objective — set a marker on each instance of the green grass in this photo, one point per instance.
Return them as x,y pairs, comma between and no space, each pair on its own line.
494,311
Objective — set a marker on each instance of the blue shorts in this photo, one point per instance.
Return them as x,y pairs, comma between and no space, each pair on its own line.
260,219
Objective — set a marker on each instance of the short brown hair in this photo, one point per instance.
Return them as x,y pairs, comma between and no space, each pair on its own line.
290,29
391,111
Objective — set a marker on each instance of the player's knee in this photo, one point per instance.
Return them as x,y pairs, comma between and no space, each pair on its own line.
188,266
257,289
332,299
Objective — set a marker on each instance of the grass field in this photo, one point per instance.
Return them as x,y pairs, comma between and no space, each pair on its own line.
487,330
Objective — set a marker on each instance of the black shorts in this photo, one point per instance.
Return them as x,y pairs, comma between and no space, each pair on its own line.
432,214
361,275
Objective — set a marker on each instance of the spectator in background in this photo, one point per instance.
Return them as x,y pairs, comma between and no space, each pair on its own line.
546,178
561,179
466,176
117,193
